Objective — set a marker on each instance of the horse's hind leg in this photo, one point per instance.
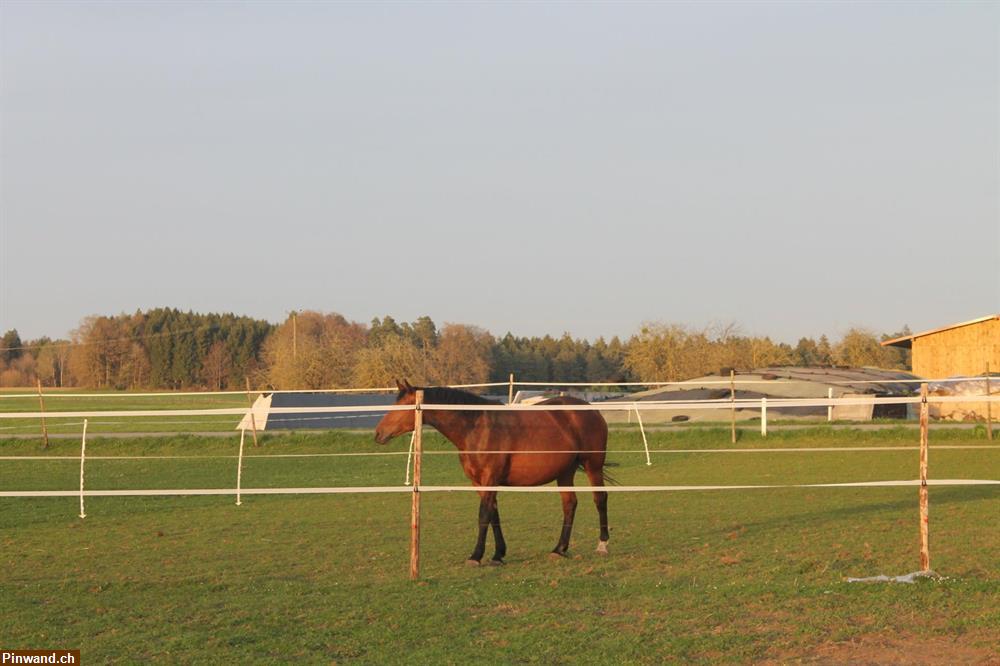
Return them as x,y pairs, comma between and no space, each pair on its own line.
569,511
501,545
487,507
596,477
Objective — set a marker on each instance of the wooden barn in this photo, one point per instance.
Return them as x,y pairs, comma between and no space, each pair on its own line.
959,350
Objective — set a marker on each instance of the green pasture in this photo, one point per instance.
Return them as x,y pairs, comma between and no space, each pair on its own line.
80,400
693,576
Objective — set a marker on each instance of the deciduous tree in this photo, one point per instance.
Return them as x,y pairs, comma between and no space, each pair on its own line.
463,355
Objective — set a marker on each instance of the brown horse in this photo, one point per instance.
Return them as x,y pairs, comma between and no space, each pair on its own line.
513,448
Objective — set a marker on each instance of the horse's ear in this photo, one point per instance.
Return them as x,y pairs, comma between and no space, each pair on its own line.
407,387
400,385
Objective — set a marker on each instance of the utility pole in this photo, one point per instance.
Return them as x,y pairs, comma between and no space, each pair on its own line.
295,334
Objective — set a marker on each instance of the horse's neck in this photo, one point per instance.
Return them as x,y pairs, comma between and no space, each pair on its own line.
456,426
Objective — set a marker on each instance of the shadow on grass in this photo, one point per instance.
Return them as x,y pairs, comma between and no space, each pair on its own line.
938,496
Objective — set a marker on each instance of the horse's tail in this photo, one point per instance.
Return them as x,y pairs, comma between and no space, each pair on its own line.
608,479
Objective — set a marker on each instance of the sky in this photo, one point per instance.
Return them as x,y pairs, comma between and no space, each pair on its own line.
796,168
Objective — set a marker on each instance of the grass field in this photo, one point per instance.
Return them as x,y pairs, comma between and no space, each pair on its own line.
713,576
77,400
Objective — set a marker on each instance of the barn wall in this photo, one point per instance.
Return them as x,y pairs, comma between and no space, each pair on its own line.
958,351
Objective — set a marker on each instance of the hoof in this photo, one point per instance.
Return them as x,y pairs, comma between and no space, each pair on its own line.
602,547
554,556
472,563
497,563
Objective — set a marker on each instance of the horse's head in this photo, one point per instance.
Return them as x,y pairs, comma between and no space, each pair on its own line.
394,424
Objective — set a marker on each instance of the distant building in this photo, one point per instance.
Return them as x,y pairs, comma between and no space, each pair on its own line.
959,350
777,383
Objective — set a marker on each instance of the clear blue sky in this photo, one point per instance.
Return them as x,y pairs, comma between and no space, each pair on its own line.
796,167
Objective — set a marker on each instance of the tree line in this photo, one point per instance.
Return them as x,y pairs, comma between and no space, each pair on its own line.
166,348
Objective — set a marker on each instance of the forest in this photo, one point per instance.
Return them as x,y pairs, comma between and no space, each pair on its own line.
167,349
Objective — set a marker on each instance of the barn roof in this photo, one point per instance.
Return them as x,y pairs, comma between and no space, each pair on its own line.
780,382
907,340
787,382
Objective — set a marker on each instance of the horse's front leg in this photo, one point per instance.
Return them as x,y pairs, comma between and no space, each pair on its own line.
487,508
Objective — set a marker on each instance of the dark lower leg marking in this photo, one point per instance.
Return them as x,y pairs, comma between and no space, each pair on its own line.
501,545
484,523
569,511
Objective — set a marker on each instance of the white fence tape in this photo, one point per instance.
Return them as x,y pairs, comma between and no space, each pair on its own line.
169,394
392,389
814,449
518,489
83,458
741,403
239,467
615,406
779,380
221,411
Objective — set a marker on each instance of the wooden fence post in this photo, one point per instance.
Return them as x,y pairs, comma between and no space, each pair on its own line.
418,422
925,549
732,403
989,406
829,408
510,390
41,405
253,421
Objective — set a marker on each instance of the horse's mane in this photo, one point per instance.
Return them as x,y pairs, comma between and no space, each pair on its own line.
442,395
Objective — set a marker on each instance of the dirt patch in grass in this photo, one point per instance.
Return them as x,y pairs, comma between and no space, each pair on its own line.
880,649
